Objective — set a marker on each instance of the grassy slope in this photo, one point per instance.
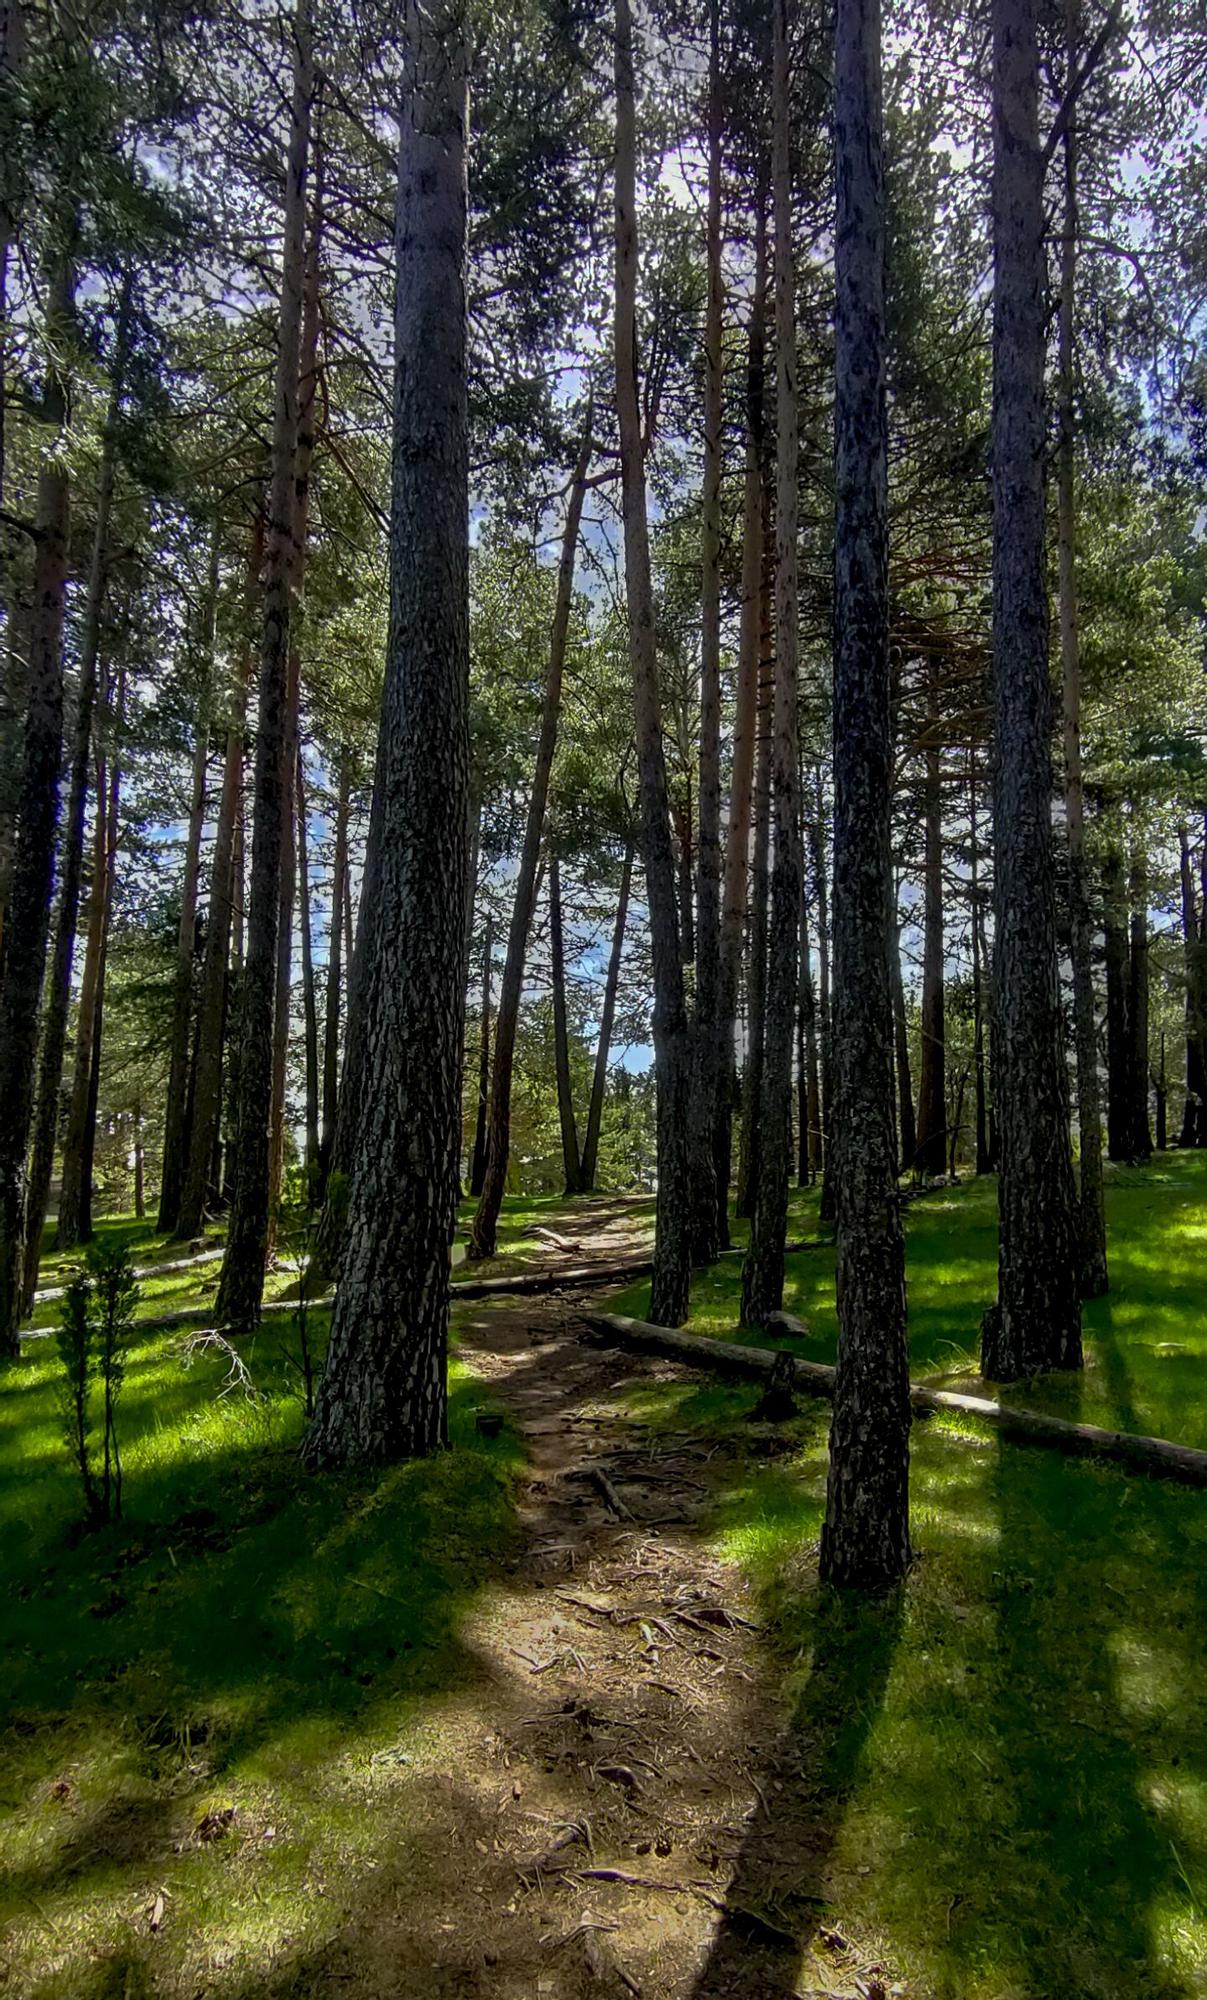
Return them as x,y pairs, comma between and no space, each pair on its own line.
1146,1344
1006,1773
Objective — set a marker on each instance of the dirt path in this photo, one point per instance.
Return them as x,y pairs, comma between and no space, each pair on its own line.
618,1806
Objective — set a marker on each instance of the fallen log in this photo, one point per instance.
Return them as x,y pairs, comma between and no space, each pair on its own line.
517,1284
1158,1456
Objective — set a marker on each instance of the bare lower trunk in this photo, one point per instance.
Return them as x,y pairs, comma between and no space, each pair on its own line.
763,1270
75,1199
1036,1323
310,1011
817,842
483,1236
561,1037
1120,1124
756,953
599,1081
384,1392
984,1157
865,1538
241,1285
932,1074
177,1110
808,1082
283,993
745,730
707,1070
335,968
477,1171
1194,946
1091,1203
225,896
907,1135
672,1240
1142,1138
57,998
33,859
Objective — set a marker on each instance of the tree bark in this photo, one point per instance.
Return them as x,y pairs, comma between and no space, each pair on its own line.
1095,1279
763,1270
865,1537
477,1172
225,896
1194,940
1036,1323
38,812
484,1234
672,1237
178,1109
283,989
75,1198
241,1286
561,1036
1142,1138
384,1392
707,1065
335,932
931,1156
817,843
599,1081
1120,1124
907,1131
56,1002
310,1010
984,1157
736,889
809,1090
760,874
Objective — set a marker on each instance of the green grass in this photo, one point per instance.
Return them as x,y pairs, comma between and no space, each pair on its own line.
247,1637
1146,1343
998,1781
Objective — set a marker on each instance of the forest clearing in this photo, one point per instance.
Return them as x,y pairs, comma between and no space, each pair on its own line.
603,999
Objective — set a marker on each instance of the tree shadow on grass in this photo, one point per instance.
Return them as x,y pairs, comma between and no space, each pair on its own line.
781,1880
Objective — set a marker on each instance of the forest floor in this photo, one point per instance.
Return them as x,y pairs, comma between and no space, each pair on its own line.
275,1736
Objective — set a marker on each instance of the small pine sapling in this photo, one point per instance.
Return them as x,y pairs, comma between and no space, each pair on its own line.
73,1339
114,1298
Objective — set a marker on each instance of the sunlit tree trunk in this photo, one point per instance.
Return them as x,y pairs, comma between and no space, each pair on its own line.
1120,1124
1036,1322
384,1391
32,878
335,972
241,1285
763,1270
672,1240
760,881
599,1081
561,1035
931,1157
707,1063
483,1236
477,1171
865,1537
984,1156
1142,1138
907,1136
1194,947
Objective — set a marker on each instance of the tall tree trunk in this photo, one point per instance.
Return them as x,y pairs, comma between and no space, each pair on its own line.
907,1133
241,1285
763,1269
178,1109
932,1074
756,954
484,1234
1120,1124
283,990
1095,1279
12,739
75,1198
1194,941
309,1002
1036,1322
38,813
225,899
808,1086
736,892
817,843
561,1036
477,1171
57,998
384,1392
672,1237
599,1081
335,931
1142,1138
865,1538
707,1071
140,1198
984,1156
